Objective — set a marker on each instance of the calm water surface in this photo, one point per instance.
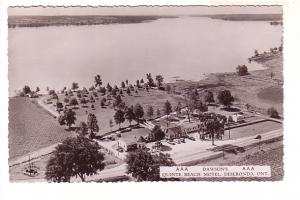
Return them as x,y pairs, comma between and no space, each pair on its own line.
187,47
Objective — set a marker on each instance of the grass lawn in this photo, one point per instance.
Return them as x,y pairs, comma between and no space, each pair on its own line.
134,134
256,89
272,94
31,128
252,130
155,98
16,172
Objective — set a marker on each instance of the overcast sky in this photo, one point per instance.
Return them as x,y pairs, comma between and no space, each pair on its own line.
144,10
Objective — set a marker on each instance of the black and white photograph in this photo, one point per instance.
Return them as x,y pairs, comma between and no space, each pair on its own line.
145,93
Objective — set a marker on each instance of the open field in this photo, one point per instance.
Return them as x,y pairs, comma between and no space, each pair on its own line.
256,89
16,172
31,128
252,130
155,98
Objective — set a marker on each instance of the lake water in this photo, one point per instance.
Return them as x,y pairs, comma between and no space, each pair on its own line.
187,47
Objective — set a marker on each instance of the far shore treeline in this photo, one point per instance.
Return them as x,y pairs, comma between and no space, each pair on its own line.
40,21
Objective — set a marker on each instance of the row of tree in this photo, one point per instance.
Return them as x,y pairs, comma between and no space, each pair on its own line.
81,157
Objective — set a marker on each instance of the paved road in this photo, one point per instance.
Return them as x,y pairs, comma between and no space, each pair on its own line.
200,155
33,155
242,142
107,173
47,107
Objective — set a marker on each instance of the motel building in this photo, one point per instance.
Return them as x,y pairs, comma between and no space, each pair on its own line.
128,144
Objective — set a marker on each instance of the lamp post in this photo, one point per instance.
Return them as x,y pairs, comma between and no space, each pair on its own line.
229,130
258,137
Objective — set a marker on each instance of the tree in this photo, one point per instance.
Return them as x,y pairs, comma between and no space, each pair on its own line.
59,106
73,102
156,134
248,106
108,87
83,129
118,101
242,70
92,124
168,88
272,74
83,101
37,89
142,81
61,120
200,106
98,80
74,86
26,89
213,125
138,111
123,85
129,114
126,82
138,83
119,117
159,79
122,106
191,101
92,88
95,94
66,100
225,98
79,95
85,91
150,112
167,108
272,112
111,124
158,113
92,99
116,88
102,90
102,103
128,91
178,108
209,97
150,80
145,167
74,157
256,52
68,118
114,92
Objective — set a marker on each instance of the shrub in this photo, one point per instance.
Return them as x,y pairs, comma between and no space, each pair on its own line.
242,70
272,112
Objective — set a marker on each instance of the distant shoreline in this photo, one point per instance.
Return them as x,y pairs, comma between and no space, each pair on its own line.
65,20
42,21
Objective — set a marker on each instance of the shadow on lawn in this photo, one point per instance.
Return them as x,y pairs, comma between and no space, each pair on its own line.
231,109
228,148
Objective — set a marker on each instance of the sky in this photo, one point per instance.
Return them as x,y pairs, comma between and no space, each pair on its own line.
187,10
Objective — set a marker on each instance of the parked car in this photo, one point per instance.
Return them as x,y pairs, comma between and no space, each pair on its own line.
192,138
182,140
177,141
171,142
